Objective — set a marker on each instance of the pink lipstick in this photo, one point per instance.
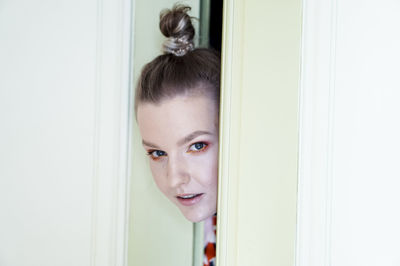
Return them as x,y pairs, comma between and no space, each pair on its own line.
189,199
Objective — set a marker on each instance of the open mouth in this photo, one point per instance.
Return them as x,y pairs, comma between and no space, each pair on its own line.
189,199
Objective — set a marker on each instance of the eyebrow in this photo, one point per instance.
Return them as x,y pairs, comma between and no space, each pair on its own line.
193,135
149,144
186,139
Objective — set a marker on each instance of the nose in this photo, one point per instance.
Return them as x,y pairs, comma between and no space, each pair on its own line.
178,171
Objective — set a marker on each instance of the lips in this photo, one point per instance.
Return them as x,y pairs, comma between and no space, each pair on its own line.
189,199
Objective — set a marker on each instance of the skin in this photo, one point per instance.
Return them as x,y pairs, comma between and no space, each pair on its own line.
180,135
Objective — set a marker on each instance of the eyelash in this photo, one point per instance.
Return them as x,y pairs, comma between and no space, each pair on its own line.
203,148
151,153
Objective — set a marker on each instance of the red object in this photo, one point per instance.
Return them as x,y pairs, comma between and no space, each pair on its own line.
210,249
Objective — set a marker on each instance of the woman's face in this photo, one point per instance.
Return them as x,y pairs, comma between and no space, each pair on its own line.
180,135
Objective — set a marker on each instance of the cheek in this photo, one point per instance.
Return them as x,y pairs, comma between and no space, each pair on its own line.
207,167
158,173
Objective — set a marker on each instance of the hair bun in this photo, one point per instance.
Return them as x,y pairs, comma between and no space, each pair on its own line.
176,25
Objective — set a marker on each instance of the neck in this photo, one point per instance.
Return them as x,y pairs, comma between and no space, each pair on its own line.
209,235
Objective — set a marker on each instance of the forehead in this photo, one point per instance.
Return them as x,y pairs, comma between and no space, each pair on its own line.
176,117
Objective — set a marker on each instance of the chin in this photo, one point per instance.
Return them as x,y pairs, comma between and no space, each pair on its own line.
197,217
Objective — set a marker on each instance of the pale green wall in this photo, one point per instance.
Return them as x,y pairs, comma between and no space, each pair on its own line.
159,234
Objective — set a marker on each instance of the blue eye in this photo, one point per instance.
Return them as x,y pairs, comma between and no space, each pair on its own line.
156,154
198,146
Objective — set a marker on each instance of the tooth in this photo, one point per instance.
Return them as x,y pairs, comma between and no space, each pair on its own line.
188,196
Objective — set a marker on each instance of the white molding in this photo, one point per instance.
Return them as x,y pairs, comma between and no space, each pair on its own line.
317,102
113,127
230,109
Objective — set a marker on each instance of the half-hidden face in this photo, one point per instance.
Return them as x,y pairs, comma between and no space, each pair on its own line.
180,136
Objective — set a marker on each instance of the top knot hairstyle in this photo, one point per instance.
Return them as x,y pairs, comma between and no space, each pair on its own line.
182,69
177,26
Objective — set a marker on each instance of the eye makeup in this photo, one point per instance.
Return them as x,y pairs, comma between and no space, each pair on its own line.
156,154
198,147
194,148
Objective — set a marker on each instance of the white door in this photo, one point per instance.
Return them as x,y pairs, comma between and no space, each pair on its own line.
349,175
64,107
